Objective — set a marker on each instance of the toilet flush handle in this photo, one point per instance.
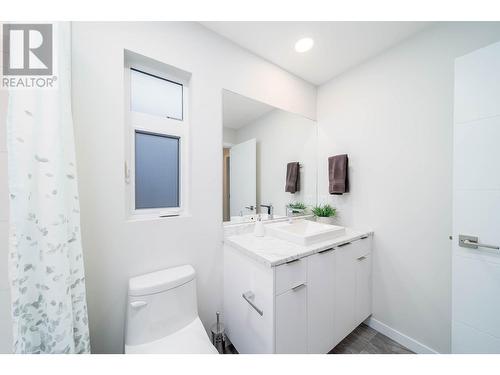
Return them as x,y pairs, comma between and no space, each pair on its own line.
138,304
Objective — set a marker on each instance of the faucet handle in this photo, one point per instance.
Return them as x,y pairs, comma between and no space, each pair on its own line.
269,207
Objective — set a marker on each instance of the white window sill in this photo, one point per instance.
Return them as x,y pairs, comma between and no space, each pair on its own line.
157,217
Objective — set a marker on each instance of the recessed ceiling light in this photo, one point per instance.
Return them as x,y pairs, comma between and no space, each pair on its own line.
304,45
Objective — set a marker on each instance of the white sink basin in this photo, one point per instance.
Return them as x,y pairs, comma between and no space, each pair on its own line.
304,232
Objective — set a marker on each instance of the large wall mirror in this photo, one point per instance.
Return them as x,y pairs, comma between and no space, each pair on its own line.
269,160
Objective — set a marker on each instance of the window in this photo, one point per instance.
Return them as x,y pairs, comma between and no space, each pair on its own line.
157,135
155,96
156,170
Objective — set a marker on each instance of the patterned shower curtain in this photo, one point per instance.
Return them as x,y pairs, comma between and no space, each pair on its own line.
49,307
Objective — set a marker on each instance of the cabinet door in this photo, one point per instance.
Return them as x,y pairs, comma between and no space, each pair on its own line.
345,292
363,287
291,321
320,302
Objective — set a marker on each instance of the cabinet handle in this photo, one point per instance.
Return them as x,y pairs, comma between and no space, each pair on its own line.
326,250
249,296
362,257
295,288
344,244
292,261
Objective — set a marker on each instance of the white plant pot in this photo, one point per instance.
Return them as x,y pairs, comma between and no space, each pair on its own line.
325,220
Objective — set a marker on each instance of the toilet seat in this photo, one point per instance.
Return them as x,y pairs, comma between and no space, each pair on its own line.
192,339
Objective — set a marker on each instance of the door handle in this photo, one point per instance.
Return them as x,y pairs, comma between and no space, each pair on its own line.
249,297
471,242
362,257
298,287
325,251
344,244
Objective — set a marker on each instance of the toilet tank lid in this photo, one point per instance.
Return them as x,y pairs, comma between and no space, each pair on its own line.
160,281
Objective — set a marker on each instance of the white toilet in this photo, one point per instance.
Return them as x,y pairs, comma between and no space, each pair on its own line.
162,314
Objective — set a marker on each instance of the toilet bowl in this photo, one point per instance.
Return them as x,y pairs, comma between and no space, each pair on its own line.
162,314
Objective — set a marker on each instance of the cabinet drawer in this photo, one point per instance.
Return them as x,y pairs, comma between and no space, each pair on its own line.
290,274
361,247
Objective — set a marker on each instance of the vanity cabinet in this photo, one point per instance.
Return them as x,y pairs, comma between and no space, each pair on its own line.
353,279
321,301
363,287
307,305
291,321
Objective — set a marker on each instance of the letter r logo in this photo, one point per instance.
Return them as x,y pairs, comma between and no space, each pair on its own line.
27,49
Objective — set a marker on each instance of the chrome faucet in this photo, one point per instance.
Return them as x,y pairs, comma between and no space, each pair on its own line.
270,210
290,211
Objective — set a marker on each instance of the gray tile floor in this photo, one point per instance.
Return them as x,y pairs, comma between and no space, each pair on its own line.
363,340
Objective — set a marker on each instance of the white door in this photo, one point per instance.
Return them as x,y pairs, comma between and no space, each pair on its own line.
291,321
320,302
476,203
345,291
243,177
363,287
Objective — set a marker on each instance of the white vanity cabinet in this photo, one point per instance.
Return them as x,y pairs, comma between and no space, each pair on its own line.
321,301
291,321
353,280
307,305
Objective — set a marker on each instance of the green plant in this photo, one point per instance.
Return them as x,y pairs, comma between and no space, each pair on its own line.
324,210
297,206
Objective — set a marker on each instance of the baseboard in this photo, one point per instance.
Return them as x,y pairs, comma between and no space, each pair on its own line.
399,337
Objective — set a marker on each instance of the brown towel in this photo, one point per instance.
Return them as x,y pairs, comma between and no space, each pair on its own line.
338,176
292,177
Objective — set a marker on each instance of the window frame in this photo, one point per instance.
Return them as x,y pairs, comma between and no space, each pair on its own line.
162,126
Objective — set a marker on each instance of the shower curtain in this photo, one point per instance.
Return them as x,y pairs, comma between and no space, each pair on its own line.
49,308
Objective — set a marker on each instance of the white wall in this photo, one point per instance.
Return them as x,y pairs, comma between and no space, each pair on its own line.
115,249
5,320
393,115
283,137
229,136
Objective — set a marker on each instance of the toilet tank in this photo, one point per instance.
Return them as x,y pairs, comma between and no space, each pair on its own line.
160,303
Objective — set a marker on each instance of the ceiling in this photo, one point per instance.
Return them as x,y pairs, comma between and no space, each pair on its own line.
338,46
239,111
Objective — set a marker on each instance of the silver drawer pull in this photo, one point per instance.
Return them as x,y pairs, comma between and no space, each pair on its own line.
292,261
295,288
344,244
362,257
471,243
325,251
249,297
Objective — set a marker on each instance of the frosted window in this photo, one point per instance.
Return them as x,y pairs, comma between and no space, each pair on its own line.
155,96
156,171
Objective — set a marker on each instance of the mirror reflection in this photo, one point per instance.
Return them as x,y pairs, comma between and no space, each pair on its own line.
269,161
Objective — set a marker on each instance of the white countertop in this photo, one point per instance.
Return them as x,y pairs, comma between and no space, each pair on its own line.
272,251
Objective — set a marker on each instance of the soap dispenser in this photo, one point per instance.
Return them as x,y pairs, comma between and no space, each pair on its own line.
259,230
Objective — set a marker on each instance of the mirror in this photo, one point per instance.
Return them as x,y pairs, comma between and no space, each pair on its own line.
269,160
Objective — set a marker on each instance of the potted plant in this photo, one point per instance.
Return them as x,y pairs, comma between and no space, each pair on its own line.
297,208
324,213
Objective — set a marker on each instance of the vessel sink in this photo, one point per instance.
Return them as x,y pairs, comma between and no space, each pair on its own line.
304,232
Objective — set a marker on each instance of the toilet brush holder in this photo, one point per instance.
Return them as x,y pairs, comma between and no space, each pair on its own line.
218,336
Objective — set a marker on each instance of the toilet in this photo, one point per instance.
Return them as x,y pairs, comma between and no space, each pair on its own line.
162,314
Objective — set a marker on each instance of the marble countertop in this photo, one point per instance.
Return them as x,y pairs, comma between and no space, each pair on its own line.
272,251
